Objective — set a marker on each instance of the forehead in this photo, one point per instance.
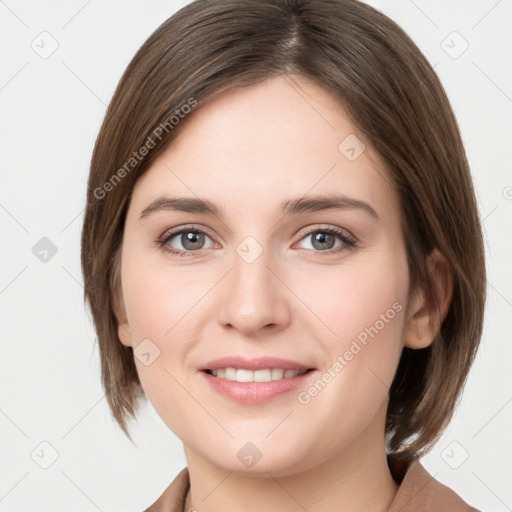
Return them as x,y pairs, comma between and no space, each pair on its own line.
253,146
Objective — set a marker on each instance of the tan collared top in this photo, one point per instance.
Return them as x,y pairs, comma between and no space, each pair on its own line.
418,492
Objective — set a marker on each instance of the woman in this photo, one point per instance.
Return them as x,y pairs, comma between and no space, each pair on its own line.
282,251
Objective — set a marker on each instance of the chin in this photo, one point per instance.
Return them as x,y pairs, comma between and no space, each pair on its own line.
260,458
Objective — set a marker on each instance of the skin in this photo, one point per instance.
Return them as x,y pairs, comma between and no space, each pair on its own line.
247,150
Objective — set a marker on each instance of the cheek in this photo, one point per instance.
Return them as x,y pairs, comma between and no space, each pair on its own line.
162,305
156,299
372,309
365,312
158,308
353,385
361,297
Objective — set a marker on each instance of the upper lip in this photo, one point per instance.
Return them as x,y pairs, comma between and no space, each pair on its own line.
258,363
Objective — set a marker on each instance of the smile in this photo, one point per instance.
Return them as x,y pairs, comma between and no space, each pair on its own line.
242,385
263,375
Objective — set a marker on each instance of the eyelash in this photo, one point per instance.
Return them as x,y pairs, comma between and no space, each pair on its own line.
350,242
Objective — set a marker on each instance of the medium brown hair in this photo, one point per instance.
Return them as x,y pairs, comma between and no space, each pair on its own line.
396,101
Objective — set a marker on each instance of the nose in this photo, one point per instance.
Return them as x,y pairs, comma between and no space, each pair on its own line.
253,297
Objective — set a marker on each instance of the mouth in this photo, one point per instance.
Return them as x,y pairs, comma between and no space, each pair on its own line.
261,375
256,381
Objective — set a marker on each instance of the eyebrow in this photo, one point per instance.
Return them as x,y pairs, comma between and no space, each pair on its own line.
289,207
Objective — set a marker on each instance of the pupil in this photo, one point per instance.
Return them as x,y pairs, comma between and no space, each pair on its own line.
192,240
321,239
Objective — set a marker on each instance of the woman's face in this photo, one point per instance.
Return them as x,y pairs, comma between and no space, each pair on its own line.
270,274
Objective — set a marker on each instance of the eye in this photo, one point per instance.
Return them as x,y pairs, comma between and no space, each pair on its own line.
187,240
324,240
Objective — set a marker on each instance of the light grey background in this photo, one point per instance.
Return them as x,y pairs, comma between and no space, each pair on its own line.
52,108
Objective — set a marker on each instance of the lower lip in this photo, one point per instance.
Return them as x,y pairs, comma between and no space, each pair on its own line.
256,392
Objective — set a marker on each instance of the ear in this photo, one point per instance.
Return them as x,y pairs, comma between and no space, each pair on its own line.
123,328
425,318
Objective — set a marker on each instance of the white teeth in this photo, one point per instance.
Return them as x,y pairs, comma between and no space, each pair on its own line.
277,374
230,374
262,375
266,375
244,376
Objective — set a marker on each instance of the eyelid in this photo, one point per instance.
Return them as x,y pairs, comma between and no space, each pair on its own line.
327,227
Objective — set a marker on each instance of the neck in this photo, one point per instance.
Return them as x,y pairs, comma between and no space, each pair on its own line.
355,478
